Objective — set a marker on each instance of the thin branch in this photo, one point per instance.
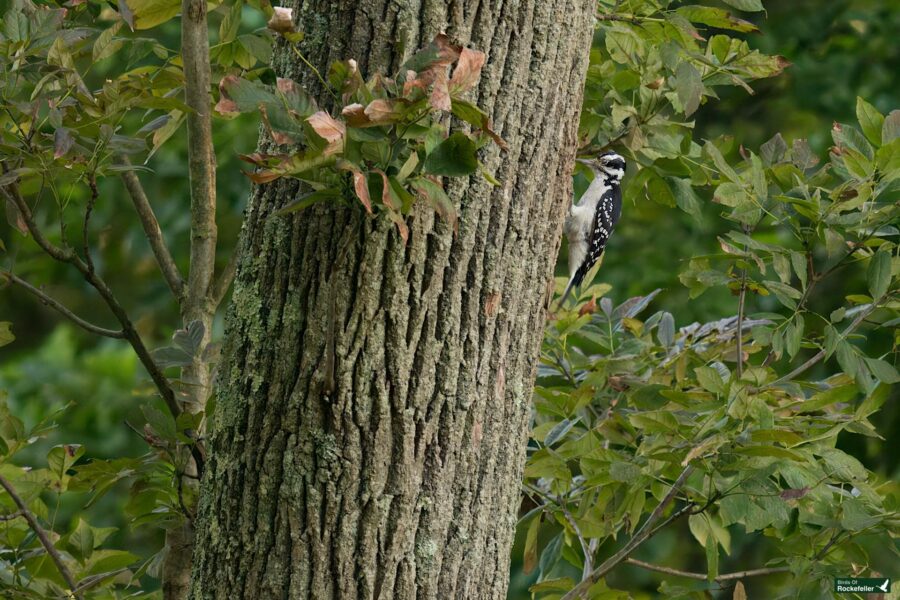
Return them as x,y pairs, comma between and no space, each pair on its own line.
128,331
740,324
201,156
58,307
88,211
702,576
821,353
221,285
11,516
643,534
42,536
153,233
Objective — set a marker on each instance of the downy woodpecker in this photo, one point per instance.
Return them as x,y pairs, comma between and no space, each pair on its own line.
590,223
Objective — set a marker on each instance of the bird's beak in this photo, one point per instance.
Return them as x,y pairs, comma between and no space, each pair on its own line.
586,161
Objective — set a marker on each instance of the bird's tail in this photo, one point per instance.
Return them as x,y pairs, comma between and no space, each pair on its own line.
566,293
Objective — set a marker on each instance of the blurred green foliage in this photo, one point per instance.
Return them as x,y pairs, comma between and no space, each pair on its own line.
840,49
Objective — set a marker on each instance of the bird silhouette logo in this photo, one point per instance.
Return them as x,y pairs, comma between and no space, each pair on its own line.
884,586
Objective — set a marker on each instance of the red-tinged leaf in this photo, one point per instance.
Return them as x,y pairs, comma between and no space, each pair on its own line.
361,187
381,111
589,307
226,106
14,217
432,192
278,137
282,20
412,83
62,142
264,160
440,93
329,129
387,194
400,222
467,71
355,115
262,176
794,494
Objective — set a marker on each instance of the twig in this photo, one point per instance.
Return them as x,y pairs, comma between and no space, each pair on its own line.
11,516
221,285
702,576
42,536
585,547
740,324
153,233
58,307
88,211
643,534
821,354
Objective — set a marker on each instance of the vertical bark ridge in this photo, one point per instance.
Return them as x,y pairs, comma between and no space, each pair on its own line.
403,483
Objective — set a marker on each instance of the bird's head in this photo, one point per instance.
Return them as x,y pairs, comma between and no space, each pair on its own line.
609,164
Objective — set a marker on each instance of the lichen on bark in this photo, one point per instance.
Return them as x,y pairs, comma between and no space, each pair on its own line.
404,482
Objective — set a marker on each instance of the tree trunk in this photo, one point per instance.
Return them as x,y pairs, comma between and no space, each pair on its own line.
403,482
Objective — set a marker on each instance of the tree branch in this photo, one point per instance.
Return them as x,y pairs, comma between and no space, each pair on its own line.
128,331
821,353
58,307
643,534
88,211
702,576
201,155
153,233
42,536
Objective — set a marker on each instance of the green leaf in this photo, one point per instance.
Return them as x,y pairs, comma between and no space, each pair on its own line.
870,120
746,5
829,397
81,541
435,195
721,164
883,370
890,130
302,202
529,561
688,86
560,430
454,157
685,196
106,45
774,150
879,273
6,334
150,13
715,17
666,330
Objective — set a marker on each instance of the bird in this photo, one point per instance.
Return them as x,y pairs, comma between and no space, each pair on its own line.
591,220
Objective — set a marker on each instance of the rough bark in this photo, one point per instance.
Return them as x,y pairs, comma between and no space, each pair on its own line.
403,482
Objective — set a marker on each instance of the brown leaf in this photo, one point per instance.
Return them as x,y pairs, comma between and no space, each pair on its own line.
361,186
589,307
286,86
355,115
329,129
326,126
440,93
282,20
392,202
492,304
262,176
412,83
381,111
794,494
467,70
225,106
739,592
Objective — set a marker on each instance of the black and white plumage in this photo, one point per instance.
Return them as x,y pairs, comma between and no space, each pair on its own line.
590,223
